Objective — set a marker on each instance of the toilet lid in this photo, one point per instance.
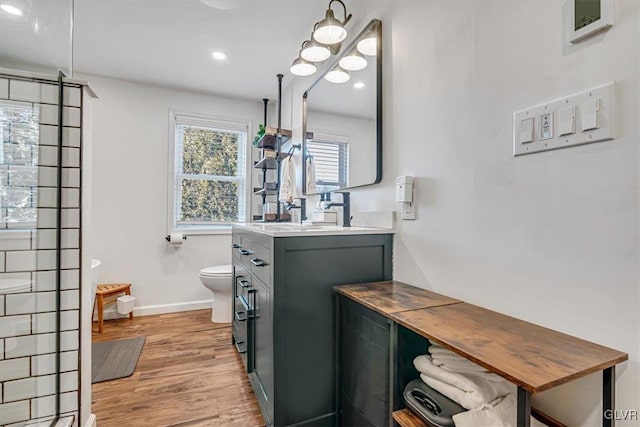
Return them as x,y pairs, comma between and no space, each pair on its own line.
217,271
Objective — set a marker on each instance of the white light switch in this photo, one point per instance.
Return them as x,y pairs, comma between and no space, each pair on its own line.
590,115
567,121
526,130
546,126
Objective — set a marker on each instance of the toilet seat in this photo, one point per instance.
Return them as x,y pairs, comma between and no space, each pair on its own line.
217,271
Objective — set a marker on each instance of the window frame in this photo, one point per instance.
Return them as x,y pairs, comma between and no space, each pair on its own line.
216,122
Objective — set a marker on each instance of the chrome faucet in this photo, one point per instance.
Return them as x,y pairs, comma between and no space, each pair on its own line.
302,206
346,207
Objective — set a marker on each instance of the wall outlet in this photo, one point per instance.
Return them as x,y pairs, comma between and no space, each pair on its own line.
408,211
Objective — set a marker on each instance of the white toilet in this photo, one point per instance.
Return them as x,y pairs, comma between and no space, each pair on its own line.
218,280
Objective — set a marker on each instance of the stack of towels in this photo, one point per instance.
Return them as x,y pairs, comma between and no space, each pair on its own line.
490,399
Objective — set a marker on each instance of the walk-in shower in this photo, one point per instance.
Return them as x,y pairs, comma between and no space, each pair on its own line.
40,241
41,153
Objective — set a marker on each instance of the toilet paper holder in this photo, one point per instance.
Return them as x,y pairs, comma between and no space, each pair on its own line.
168,237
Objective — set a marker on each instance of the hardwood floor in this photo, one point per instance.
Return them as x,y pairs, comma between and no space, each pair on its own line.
188,374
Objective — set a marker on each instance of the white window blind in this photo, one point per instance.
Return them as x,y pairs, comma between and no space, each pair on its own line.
331,161
209,173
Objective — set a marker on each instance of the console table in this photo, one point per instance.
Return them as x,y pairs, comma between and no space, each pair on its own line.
532,357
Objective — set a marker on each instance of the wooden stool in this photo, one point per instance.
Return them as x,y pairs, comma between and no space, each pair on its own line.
107,294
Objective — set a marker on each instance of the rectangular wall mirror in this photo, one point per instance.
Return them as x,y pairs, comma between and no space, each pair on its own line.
343,111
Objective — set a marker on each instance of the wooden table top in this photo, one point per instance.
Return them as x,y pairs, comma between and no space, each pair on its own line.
393,297
531,356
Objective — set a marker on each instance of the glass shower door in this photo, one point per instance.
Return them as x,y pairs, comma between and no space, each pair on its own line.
39,215
39,251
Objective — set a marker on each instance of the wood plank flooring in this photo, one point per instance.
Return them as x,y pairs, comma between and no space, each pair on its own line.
188,374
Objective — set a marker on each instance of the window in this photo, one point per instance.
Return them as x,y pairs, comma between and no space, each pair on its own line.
19,139
208,189
331,160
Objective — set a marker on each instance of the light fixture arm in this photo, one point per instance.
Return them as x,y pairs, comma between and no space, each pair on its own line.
347,18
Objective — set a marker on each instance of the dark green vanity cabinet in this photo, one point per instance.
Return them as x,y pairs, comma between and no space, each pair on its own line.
286,295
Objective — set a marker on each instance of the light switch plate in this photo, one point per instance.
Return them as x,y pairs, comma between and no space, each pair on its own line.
568,118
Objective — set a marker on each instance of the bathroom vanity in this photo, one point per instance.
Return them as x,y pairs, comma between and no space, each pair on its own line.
283,314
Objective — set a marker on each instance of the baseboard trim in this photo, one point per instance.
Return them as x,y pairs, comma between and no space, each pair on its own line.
149,310
91,422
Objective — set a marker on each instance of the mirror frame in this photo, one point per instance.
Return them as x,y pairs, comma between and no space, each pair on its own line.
376,25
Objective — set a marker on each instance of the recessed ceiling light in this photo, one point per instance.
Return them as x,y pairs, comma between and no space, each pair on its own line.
220,56
11,9
359,85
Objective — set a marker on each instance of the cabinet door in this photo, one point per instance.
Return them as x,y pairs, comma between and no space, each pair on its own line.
263,346
364,361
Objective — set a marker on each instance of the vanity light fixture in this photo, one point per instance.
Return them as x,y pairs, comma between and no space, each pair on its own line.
353,61
368,46
302,67
337,75
313,51
331,30
10,9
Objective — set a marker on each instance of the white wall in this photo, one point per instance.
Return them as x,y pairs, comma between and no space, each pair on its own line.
129,193
550,238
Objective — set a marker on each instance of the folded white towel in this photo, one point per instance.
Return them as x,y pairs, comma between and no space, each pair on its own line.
435,350
470,390
311,177
499,414
288,190
459,366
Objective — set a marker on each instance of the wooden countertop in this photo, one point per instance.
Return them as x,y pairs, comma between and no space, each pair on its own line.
393,297
528,355
533,357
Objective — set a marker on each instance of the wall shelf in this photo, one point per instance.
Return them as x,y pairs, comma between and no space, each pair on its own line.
269,163
270,138
264,191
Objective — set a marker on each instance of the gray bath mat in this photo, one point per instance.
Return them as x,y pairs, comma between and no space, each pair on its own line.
111,360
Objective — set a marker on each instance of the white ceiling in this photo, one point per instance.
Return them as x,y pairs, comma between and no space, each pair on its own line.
40,39
168,42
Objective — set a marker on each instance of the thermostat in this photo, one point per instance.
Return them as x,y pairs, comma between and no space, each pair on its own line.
588,17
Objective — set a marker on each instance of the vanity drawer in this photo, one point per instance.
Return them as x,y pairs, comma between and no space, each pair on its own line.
244,254
260,263
243,289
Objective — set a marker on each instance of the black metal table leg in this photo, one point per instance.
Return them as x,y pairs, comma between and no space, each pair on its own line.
524,408
608,396
338,361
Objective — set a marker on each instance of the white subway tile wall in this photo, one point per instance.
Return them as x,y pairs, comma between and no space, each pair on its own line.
4,89
28,258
